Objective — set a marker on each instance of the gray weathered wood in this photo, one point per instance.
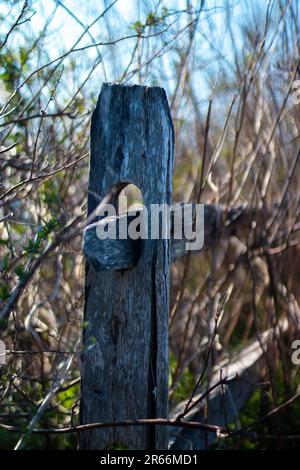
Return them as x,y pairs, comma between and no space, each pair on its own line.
125,363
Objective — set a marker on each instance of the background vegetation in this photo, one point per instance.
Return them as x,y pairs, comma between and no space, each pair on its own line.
230,69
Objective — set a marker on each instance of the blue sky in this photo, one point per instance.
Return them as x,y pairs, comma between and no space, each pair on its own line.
212,40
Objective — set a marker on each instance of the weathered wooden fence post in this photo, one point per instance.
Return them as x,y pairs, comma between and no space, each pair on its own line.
125,359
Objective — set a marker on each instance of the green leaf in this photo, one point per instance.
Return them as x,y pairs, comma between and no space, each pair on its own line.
4,291
20,271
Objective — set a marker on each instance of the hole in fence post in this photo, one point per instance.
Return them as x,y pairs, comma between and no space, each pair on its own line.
130,199
114,241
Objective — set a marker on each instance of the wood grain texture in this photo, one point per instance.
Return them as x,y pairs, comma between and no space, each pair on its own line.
125,363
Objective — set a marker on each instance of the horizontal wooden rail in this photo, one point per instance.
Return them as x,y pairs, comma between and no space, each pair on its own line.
119,254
